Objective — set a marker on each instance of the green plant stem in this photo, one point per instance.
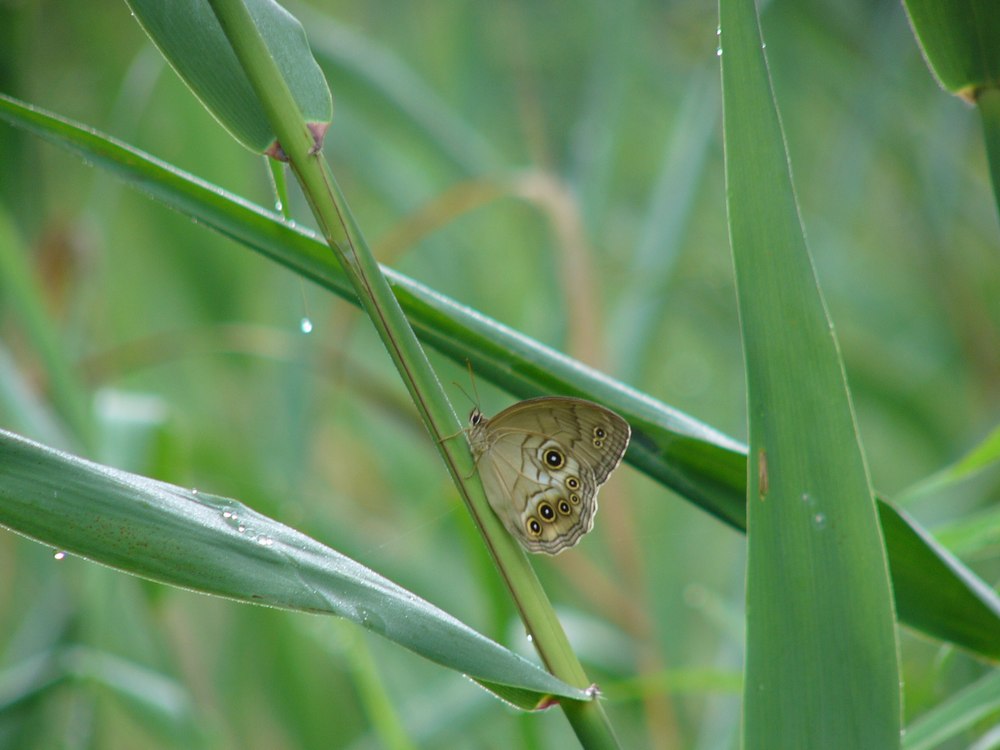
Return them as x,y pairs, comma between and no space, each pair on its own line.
344,237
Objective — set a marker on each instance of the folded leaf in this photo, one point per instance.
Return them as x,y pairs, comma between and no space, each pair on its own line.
219,546
189,36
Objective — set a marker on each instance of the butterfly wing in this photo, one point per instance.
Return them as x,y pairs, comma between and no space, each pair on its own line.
542,462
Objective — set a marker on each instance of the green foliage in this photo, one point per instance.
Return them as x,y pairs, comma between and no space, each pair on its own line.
191,39
821,666
559,169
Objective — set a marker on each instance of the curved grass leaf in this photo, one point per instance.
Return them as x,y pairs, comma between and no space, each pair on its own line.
982,456
218,546
955,715
695,460
821,666
189,36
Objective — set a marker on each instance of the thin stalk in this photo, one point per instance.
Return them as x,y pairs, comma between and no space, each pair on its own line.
347,242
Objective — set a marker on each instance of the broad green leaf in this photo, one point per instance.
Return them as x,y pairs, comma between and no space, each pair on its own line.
218,546
690,457
821,664
934,591
189,36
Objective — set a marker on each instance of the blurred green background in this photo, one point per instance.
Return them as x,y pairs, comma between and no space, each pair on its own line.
557,166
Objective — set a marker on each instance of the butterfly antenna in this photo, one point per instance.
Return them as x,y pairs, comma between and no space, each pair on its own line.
464,392
475,391
472,379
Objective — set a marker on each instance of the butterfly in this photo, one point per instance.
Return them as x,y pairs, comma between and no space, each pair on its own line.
542,462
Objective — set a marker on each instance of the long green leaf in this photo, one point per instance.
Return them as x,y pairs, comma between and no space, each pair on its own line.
920,563
219,546
695,460
188,35
821,665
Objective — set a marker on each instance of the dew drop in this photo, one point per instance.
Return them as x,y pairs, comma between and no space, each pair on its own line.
60,555
819,520
305,325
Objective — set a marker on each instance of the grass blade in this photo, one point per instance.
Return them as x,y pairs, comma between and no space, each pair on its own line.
955,715
218,546
821,665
